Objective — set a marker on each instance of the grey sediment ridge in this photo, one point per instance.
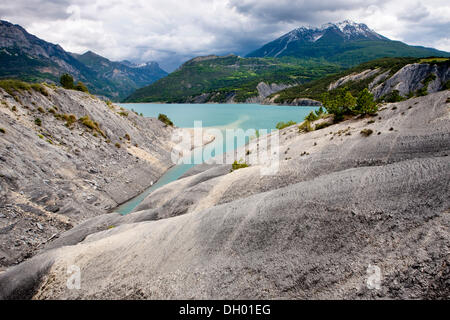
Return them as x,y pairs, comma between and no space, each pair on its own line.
341,203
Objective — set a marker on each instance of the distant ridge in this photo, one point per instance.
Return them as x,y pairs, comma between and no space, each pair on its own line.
26,57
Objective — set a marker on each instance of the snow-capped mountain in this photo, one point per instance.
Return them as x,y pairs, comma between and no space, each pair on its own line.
346,42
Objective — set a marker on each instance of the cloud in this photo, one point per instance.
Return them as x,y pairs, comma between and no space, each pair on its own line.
172,31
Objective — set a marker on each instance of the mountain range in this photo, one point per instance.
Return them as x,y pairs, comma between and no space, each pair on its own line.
347,43
302,55
26,57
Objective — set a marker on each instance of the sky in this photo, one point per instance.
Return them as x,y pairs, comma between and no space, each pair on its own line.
173,31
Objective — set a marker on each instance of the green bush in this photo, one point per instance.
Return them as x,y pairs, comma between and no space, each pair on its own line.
41,110
238,165
81,87
394,96
165,119
66,81
305,127
38,122
320,112
366,132
282,125
39,88
91,125
69,118
312,116
117,145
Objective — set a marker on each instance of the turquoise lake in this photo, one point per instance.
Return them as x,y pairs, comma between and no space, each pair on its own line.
221,116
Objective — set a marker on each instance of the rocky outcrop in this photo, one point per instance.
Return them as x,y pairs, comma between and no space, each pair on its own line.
66,156
265,90
353,77
305,102
342,205
412,78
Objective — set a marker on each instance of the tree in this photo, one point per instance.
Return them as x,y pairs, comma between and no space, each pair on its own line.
365,104
66,81
340,104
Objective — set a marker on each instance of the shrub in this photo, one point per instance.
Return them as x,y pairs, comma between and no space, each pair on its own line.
238,165
81,87
110,105
69,118
394,96
282,125
305,127
39,88
123,114
38,122
117,145
2,130
311,116
66,81
41,110
91,125
40,136
165,119
366,132
127,136
14,108
320,112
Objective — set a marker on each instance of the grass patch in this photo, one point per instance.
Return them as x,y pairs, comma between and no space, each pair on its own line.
432,60
93,125
69,118
282,125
